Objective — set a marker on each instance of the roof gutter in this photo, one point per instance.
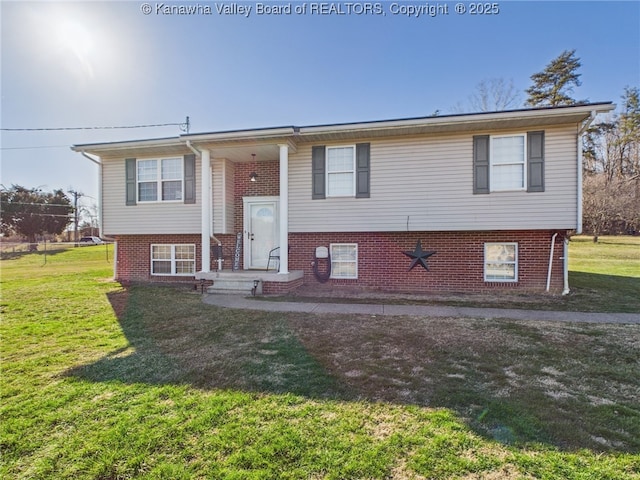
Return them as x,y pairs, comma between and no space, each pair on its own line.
233,135
197,152
457,119
97,162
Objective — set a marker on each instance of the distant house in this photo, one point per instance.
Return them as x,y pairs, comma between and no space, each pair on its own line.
484,201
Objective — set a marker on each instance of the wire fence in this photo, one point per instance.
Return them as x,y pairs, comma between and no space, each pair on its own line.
15,249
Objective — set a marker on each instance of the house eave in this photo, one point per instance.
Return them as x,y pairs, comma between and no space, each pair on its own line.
511,119
226,142
240,135
135,148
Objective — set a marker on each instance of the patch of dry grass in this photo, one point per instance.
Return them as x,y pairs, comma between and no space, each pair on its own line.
562,380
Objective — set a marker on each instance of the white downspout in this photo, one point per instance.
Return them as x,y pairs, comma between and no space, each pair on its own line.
224,197
565,254
115,260
553,246
284,209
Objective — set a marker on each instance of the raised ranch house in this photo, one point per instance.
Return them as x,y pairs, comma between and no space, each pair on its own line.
470,202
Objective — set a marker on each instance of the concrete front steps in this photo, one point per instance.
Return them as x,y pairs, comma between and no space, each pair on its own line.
244,282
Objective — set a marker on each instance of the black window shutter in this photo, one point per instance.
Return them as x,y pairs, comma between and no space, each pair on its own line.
131,187
363,170
190,178
535,161
481,164
318,172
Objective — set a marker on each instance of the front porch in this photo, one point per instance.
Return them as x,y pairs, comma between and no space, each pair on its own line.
249,282
250,205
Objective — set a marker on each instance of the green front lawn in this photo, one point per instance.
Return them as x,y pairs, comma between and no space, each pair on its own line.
103,382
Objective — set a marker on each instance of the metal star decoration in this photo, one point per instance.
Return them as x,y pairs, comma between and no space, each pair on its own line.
419,256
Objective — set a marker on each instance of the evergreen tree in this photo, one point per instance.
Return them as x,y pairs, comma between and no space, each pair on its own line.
552,87
630,133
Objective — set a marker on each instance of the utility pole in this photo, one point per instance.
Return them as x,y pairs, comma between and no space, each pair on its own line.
186,126
76,213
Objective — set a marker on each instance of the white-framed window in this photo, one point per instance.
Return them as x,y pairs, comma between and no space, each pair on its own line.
178,260
501,262
341,177
508,162
160,179
344,260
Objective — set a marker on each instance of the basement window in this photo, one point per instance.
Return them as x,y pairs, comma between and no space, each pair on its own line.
344,260
500,262
176,260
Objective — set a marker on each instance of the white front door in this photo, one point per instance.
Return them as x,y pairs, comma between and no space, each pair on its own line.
260,230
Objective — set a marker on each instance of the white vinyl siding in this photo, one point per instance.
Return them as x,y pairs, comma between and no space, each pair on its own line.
426,184
344,260
145,217
223,196
340,167
500,262
508,164
175,260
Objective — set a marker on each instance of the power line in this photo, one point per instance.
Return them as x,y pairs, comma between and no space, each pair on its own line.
183,126
22,215
39,146
88,128
37,204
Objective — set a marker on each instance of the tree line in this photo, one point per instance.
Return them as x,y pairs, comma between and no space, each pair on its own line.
611,176
30,212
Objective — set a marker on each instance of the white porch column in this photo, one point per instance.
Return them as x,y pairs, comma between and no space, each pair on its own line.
205,181
284,209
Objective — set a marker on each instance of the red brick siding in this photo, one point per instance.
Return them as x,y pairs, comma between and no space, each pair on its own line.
267,185
134,257
279,288
458,264
228,247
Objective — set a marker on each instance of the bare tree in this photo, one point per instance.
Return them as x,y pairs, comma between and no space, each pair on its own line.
610,206
612,171
491,95
494,94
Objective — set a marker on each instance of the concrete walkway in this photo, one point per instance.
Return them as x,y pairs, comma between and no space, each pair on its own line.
238,301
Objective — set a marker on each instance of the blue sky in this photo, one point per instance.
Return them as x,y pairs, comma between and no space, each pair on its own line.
85,64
